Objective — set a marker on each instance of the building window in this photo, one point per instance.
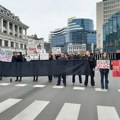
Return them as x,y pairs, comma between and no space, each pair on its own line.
20,30
25,47
0,42
4,23
21,46
10,26
12,44
15,28
6,43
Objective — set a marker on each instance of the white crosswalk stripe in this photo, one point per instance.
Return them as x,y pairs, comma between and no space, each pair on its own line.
8,103
59,87
79,88
118,90
107,113
21,85
32,111
4,84
39,86
69,112
100,90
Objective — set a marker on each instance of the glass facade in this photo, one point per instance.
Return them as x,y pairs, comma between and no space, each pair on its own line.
111,34
78,31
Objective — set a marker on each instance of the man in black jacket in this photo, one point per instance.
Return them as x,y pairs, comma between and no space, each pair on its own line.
19,58
92,63
62,57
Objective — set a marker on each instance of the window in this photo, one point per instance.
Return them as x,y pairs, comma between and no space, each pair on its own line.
10,26
21,46
12,44
4,23
25,46
6,43
15,28
0,42
20,30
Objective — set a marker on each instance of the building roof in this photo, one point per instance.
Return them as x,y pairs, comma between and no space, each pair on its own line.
7,14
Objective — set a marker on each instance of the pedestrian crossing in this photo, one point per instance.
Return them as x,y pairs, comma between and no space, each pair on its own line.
80,88
32,111
68,111
8,103
21,85
107,113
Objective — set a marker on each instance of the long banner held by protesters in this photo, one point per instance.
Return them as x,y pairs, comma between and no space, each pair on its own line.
45,68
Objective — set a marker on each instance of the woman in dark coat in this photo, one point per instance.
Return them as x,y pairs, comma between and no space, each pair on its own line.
104,73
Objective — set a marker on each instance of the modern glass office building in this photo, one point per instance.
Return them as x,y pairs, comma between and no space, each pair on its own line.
111,33
78,30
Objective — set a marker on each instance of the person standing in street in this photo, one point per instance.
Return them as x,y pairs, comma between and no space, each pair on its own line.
50,76
92,63
19,59
63,76
104,73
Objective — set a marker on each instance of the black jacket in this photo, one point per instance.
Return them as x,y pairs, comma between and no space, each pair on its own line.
92,61
19,58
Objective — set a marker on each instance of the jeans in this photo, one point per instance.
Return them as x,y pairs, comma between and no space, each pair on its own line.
104,75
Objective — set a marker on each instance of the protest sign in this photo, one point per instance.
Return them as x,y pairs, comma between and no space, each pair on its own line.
56,50
6,55
44,56
116,68
104,64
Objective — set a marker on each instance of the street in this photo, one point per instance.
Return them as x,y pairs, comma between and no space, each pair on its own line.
28,100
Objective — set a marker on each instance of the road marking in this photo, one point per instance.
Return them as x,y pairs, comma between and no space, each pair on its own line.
32,111
107,113
39,86
60,87
4,84
69,112
79,88
21,85
8,103
100,90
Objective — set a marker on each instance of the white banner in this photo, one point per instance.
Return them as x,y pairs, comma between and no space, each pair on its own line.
34,57
44,56
6,55
56,50
104,64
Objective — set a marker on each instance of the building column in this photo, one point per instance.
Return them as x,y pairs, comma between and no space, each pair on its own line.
25,34
13,29
18,34
9,43
1,24
8,27
3,42
22,32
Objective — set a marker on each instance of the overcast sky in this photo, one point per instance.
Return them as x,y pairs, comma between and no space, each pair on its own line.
43,16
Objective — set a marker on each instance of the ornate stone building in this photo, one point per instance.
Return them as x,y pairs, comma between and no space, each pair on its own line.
13,33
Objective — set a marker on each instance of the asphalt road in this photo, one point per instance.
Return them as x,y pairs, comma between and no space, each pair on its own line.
28,100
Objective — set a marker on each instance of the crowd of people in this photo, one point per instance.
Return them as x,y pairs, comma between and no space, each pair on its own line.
18,57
